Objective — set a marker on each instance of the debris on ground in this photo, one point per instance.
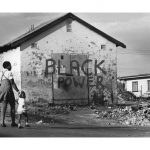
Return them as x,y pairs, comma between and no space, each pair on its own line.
43,108
127,115
72,108
92,107
46,112
124,96
39,122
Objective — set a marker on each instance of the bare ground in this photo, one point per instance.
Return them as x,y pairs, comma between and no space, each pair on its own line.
82,116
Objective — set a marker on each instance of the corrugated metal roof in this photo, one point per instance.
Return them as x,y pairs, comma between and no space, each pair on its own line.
43,27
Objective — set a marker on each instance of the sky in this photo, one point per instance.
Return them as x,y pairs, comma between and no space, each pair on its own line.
133,29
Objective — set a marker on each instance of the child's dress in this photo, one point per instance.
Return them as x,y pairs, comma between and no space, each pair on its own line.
21,106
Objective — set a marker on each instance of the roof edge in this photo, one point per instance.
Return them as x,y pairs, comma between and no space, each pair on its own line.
140,76
118,43
18,41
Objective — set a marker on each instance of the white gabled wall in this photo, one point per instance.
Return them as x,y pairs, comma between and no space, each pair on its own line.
57,40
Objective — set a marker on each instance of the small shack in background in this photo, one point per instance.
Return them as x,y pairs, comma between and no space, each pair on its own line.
139,85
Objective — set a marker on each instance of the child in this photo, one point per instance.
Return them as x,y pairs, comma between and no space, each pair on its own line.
22,110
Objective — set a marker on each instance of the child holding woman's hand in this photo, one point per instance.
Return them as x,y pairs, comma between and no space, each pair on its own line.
22,110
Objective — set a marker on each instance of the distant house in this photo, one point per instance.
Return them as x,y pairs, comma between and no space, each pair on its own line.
137,84
63,61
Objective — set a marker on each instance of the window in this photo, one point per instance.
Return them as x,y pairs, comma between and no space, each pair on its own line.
33,45
69,25
69,28
135,86
148,85
62,57
103,47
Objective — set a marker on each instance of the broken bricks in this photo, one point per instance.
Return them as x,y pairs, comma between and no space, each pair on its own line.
127,115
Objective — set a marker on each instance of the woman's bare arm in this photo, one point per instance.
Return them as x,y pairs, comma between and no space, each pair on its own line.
14,85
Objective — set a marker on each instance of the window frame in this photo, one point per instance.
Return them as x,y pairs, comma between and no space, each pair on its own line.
148,87
34,45
103,46
134,89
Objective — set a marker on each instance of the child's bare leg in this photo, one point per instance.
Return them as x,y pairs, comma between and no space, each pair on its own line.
19,121
26,120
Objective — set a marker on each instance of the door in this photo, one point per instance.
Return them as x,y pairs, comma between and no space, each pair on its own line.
70,81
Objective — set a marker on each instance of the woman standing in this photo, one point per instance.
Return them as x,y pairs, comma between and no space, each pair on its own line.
7,94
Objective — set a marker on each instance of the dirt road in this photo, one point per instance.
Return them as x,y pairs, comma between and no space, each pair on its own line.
74,131
80,123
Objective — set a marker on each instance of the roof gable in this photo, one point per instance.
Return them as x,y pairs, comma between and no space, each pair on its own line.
41,28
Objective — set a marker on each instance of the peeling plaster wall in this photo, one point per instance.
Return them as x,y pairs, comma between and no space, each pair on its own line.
14,57
56,40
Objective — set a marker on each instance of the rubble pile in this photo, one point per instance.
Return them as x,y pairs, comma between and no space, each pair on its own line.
129,115
124,96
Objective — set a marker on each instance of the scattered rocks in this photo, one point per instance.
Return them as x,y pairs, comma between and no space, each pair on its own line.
44,109
39,122
92,107
72,108
124,96
129,115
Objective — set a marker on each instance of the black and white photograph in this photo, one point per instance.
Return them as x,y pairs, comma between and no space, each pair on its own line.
74,74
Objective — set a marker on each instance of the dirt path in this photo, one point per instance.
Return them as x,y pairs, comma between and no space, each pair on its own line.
85,116
74,131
